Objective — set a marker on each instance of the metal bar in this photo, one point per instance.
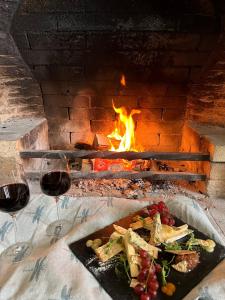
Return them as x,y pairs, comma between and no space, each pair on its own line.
154,176
54,154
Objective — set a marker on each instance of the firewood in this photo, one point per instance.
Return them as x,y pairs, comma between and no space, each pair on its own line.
101,142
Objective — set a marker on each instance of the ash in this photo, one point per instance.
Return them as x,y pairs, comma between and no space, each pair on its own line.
123,188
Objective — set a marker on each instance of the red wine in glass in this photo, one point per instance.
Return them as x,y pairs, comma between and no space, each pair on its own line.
55,183
14,197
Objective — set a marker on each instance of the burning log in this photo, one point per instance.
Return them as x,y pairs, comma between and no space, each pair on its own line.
101,142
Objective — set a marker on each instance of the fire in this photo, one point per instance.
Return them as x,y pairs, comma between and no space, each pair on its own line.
124,130
123,80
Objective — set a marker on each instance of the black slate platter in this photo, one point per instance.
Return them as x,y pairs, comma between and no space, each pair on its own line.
119,289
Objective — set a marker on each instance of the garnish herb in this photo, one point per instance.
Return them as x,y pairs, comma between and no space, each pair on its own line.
111,243
173,246
191,242
165,270
122,268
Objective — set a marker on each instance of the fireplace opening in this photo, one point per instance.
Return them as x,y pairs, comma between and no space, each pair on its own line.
93,70
78,51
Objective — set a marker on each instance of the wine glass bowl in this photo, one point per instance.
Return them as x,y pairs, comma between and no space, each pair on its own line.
14,196
55,183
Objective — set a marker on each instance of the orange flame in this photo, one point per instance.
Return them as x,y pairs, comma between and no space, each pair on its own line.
124,130
123,80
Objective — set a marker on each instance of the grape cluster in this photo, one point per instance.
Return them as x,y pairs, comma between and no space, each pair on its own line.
148,282
162,209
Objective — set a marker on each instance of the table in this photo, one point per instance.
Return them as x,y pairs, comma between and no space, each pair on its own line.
52,272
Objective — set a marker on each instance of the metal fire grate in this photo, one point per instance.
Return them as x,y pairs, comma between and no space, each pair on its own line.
152,175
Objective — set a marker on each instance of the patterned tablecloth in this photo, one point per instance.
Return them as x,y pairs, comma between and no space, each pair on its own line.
52,272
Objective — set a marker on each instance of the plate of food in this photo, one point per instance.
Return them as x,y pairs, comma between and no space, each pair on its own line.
148,255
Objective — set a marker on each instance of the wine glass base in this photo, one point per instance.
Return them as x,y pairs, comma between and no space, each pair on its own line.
17,252
59,228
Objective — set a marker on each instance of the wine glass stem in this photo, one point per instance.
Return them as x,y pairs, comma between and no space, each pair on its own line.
57,206
14,227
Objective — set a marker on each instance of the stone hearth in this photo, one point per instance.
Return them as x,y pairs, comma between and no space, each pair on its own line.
61,61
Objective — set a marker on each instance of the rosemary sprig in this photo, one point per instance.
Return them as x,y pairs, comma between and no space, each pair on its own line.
122,268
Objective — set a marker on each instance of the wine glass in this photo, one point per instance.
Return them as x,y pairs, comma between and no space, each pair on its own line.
55,181
14,196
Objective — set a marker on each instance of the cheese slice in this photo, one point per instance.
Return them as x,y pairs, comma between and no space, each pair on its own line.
131,253
110,249
119,229
182,266
134,282
156,231
139,242
142,223
178,235
207,245
170,234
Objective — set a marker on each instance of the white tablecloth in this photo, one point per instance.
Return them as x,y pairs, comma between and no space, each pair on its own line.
52,272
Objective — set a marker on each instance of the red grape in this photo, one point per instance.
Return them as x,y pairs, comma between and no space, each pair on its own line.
165,220
152,293
139,289
152,276
162,204
145,262
172,222
144,213
152,212
142,275
153,285
154,206
145,296
166,209
143,253
158,268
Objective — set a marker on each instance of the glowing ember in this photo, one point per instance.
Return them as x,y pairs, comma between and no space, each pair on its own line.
124,130
123,81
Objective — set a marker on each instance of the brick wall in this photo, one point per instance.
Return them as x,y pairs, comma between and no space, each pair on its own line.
206,100
78,50
20,94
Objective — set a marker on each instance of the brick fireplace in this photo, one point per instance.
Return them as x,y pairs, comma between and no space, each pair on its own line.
63,60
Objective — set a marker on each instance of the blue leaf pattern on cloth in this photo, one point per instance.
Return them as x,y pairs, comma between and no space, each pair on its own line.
66,294
38,268
196,206
45,280
4,228
21,254
65,202
84,215
38,214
